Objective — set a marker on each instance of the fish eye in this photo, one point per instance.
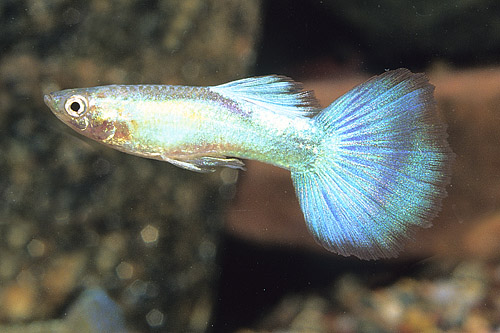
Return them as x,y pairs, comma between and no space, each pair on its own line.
76,106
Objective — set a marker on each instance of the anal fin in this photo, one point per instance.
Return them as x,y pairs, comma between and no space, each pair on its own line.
204,164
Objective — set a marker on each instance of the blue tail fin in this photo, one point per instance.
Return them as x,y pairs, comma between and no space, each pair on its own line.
381,169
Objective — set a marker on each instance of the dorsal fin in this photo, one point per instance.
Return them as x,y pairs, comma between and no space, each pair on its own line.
275,93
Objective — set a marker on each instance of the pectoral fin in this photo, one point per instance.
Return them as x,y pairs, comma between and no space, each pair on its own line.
205,164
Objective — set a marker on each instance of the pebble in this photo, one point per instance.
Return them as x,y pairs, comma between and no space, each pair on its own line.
464,299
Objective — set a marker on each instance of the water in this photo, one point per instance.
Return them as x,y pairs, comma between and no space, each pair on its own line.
180,251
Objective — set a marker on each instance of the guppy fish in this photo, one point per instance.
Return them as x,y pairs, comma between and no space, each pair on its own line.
367,169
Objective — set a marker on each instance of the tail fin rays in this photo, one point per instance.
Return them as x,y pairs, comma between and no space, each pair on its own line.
381,169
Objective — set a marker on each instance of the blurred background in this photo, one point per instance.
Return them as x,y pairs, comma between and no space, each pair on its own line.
93,240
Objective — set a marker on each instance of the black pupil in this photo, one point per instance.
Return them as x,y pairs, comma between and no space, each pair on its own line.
75,106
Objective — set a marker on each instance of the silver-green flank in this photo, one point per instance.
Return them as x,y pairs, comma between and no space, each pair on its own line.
197,127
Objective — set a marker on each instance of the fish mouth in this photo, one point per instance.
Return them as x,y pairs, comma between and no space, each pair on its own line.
48,100
52,102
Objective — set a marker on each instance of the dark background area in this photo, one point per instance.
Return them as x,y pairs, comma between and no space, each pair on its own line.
254,278
373,35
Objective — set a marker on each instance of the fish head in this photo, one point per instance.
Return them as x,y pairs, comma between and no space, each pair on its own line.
87,111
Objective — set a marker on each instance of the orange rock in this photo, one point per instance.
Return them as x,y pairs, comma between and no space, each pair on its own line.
18,301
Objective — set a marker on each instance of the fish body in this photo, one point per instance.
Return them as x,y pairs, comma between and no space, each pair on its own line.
195,126
367,169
